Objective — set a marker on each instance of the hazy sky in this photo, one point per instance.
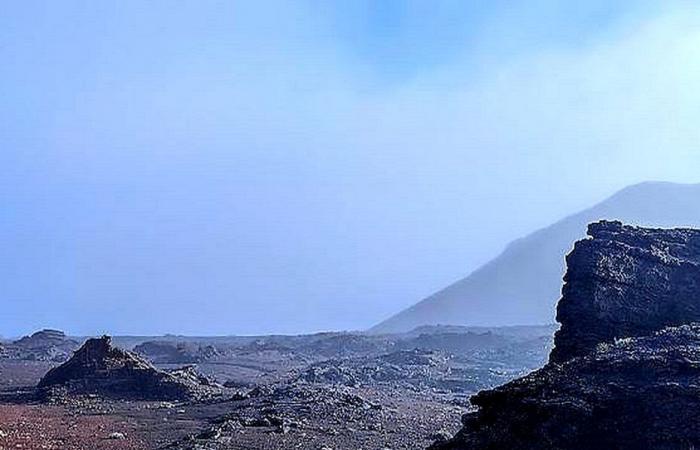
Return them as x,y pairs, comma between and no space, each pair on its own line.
251,167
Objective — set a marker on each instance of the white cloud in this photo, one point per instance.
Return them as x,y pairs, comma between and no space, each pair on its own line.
272,156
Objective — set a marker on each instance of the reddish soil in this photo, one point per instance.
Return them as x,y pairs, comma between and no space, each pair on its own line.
39,427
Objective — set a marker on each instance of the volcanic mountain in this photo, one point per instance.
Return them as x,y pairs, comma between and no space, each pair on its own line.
522,285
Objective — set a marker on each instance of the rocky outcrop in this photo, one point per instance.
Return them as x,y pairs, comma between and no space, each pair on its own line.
626,281
625,372
44,345
633,394
102,369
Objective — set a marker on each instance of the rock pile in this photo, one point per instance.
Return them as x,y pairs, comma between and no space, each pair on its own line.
625,372
102,369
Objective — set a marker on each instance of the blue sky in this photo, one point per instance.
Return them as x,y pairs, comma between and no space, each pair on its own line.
251,167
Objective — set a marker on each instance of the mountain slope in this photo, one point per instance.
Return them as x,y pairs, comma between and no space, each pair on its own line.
522,285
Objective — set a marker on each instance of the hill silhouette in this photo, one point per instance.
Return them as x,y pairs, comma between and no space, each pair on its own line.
522,284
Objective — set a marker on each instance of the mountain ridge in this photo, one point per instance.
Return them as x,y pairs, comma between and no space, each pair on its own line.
524,280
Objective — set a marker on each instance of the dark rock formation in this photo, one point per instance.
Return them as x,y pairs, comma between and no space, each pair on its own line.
99,368
636,393
44,345
627,281
192,376
620,377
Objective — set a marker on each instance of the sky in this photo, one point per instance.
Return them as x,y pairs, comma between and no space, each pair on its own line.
250,167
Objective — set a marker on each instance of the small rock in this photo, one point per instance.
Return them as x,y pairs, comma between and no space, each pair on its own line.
117,436
440,437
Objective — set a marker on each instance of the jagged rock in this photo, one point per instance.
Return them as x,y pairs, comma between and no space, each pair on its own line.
636,393
100,368
603,388
627,281
190,374
44,345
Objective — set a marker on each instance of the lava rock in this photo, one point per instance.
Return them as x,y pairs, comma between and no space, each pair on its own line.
284,409
635,393
626,281
102,369
625,371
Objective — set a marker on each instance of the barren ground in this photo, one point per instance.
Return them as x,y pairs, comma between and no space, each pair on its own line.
316,392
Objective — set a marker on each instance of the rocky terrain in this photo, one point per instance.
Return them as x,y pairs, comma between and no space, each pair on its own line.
625,371
624,374
318,416
333,390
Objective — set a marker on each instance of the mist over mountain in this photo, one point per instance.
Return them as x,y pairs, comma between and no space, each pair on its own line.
254,167
522,285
